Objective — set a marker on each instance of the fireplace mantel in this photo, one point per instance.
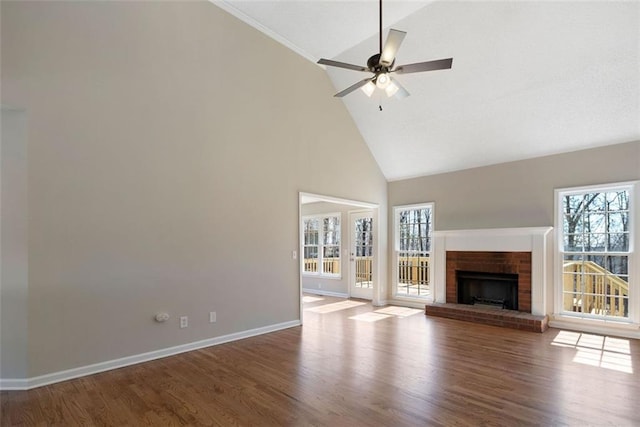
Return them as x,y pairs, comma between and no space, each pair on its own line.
525,239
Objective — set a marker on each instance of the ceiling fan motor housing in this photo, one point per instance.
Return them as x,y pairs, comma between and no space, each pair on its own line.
373,64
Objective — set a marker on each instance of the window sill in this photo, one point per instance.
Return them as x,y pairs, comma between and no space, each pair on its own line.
597,326
322,276
412,302
399,297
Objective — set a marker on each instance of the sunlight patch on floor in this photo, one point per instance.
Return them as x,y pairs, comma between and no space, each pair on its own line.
336,306
307,298
566,339
619,345
597,350
369,317
399,311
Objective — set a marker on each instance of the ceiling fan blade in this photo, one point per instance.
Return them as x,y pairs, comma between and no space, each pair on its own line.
439,64
400,92
341,65
391,46
351,88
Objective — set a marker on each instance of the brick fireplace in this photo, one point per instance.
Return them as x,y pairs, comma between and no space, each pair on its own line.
518,263
521,252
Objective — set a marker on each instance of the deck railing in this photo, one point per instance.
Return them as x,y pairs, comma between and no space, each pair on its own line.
329,266
364,270
413,270
601,291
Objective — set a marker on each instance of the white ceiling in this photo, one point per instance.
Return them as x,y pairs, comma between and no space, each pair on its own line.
528,78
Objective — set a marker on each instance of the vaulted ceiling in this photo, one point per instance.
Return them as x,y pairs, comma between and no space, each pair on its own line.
528,79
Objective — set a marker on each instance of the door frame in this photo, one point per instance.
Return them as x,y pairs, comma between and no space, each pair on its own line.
303,198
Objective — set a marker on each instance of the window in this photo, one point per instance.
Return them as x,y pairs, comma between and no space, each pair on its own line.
321,245
310,245
413,226
595,252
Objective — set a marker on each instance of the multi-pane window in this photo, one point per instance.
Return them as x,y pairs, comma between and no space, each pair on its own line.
413,227
595,250
321,245
310,245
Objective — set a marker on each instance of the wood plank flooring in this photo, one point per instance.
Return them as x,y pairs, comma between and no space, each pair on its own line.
352,364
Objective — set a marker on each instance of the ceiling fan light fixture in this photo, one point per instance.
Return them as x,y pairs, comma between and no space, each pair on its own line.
369,88
383,80
391,89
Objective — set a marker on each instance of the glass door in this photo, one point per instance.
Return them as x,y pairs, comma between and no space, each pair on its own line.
361,255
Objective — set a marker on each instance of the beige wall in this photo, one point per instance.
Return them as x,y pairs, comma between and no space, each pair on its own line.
168,142
13,245
515,194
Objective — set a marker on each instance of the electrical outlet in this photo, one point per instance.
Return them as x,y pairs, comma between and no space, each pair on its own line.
212,317
184,322
162,317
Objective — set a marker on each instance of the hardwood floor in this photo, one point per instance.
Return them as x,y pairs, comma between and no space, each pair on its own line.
356,365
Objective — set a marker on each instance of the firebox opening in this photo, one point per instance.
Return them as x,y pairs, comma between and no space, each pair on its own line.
491,289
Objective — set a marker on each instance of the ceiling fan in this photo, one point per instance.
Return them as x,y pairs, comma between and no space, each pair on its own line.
382,65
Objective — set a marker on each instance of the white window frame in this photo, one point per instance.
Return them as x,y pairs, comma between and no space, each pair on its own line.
320,272
633,254
396,251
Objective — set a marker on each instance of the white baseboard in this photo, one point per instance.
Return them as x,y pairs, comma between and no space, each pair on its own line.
55,377
326,293
408,303
14,384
